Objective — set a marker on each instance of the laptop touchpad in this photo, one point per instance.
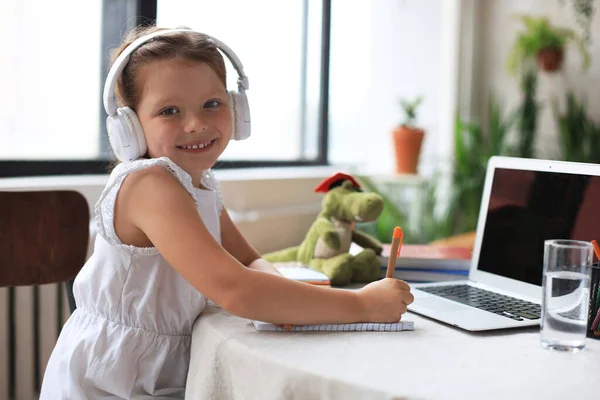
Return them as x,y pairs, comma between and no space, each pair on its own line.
434,304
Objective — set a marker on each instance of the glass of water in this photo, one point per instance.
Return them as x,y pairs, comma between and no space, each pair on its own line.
565,294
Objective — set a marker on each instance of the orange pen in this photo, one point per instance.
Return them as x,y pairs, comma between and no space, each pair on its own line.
596,249
397,237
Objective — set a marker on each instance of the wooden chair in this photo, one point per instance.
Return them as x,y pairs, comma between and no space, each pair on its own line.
43,239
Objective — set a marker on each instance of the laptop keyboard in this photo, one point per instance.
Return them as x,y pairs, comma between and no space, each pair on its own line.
496,303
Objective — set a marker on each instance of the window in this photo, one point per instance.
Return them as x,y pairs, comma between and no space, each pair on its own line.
50,79
276,42
397,50
55,62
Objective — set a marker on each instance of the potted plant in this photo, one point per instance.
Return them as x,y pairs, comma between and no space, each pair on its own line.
545,43
408,138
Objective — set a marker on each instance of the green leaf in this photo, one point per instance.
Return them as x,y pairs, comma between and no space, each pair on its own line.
410,110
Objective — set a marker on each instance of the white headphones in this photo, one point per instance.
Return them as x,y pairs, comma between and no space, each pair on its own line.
124,128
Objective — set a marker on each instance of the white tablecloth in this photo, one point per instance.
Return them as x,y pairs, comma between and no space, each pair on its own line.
231,360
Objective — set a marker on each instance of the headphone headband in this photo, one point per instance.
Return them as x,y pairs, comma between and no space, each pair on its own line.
109,97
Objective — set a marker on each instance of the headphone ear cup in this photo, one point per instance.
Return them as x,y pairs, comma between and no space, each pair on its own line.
126,135
136,130
241,115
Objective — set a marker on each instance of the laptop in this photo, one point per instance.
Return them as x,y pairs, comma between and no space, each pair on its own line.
524,202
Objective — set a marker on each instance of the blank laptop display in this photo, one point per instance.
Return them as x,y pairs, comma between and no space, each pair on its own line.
526,208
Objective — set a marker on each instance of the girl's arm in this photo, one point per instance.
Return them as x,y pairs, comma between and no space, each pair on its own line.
236,244
155,203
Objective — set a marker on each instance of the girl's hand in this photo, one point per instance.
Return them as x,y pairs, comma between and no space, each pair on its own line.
385,300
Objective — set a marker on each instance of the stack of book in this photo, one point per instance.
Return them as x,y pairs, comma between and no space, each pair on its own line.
425,263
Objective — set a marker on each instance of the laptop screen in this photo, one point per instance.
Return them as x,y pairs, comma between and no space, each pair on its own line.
528,207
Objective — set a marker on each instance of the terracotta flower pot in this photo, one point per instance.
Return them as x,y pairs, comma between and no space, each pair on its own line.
407,147
550,59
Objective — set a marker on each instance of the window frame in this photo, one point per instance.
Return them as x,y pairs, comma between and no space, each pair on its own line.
119,15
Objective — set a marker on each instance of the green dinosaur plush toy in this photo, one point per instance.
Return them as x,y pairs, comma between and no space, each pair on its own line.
326,245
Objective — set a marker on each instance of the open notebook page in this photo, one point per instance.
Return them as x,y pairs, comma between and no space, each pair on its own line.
357,327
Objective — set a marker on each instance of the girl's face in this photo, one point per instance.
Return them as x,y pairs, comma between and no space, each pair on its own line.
184,113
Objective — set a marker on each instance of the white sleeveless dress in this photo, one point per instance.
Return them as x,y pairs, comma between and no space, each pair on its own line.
130,336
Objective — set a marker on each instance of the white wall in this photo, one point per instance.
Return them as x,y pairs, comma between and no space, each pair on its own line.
273,208
496,27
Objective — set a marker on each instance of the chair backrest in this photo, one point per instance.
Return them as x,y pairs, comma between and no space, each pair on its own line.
43,239
43,236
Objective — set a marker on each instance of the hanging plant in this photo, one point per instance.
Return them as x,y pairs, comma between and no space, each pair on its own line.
545,43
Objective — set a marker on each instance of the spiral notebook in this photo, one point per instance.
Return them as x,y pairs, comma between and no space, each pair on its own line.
357,327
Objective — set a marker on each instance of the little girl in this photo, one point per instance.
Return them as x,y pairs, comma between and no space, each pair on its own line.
165,243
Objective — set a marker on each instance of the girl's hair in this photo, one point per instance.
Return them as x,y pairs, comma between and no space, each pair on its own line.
191,46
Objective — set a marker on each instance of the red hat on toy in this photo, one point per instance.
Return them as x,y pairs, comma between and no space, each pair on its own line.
327,184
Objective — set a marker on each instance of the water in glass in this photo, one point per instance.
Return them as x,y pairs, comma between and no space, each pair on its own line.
564,310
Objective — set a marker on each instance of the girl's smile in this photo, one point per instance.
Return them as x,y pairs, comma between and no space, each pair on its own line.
197,146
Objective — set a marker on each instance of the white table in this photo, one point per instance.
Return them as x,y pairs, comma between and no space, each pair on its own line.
231,360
